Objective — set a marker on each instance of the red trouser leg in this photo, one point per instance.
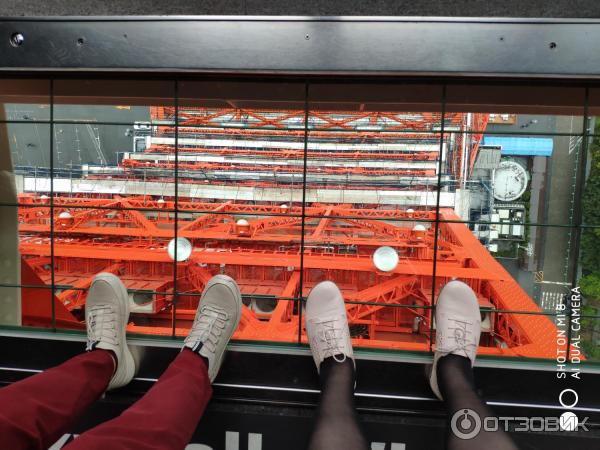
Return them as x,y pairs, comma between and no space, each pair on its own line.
35,412
164,418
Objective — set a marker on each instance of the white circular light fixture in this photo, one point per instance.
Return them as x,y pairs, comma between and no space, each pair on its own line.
184,249
419,231
242,223
65,215
385,258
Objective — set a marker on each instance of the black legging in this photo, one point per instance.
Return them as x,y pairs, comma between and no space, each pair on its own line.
337,426
455,379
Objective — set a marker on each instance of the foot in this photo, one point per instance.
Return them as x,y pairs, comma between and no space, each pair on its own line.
327,324
107,314
458,326
217,318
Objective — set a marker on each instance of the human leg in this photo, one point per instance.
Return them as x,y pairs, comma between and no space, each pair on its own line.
167,415
35,412
337,425
458,326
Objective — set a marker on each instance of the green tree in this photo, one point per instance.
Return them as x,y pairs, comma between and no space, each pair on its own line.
590,252
590,288
590,203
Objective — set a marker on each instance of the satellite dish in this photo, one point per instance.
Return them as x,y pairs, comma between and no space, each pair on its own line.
385,258
242,222
65,215
184,249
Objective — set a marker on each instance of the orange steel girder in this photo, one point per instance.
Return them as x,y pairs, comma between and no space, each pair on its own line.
322,120
286,153
297,134
32,202
275,168
390,292
139,254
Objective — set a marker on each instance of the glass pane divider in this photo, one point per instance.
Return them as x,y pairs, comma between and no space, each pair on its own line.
437,220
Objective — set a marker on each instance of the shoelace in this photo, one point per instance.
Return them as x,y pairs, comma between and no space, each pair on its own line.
460,333
101,325
330,335
209,326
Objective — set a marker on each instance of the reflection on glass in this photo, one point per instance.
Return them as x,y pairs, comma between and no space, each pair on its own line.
103,161
446,195
239,144
378,147
23,100
110,101
521,110
28,145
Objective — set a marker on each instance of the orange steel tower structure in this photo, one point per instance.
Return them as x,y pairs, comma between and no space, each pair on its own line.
232,181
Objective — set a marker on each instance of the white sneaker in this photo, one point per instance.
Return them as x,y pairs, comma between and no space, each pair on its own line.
217,318
327,324
458,326
106,315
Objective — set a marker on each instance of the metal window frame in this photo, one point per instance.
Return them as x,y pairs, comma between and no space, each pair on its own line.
331,48
417,46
